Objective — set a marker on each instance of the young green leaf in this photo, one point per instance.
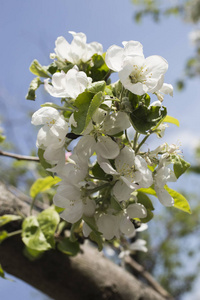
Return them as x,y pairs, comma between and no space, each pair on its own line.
34,85
33,236
179,200
48,221
43,162
8,218
3,235
172,120
82,102
97,238
43,184
37,69
68,247
180,165
143,118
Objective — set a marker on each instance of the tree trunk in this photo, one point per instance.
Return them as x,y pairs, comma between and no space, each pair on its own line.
88,276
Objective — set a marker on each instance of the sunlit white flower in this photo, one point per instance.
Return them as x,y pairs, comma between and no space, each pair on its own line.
103,145
75,205
166,89
162,175
68,85
140,75
54,127
116,55
131,171
78,51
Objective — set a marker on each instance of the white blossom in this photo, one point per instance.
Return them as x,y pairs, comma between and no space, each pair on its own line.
131,171
106,124
68,85
75,205
140,75
116,55
162,175
78,51
166,89
54,127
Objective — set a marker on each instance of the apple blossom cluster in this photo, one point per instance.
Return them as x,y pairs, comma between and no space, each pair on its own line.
106,179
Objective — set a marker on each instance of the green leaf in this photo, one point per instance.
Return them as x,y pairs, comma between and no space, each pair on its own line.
149,191
96,87
8,218
180,165
48,221
68,247
82,102
34,85
180,201
90,221
39,70
149,216
172,120
33,236
43,162
74,229
136,99
32,254
2,138
97,238
98,172
99,70
94,105
3,235
87,105
115,204
144,199
143,118
43,184
2,274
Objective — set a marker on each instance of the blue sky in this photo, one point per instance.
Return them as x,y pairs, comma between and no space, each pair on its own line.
28,30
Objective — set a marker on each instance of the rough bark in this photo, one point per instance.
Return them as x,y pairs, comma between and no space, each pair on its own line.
87,276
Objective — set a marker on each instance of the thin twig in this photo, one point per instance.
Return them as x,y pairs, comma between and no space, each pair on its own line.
149,278
19,157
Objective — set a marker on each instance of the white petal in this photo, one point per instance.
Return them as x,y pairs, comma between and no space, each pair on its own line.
73,212
125,160
126,227
62,48
85,147
106,147
44,115
114,58
89,208
116,123
107,225
86,229
133,48
163,196
136,210
121,191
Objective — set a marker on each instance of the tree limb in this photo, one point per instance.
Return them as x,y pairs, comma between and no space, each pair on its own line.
87,276
19,157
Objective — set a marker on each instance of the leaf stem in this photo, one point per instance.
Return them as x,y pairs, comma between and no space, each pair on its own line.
15,233
135,140
142,142
98,188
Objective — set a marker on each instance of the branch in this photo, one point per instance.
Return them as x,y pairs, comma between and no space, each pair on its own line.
19,157
149,278
87,276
